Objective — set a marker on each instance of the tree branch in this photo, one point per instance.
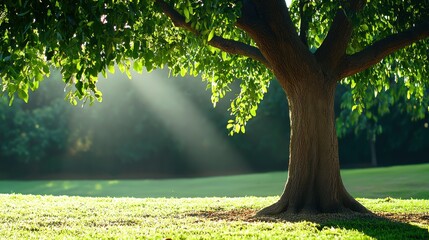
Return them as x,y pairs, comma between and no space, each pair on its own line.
177,19
227,45
269,24
236,47
335,44
373,54
251,21
276,15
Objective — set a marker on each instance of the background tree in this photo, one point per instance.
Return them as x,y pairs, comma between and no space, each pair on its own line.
309,48
30,133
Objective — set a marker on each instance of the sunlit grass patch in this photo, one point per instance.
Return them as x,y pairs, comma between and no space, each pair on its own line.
398,182
50,217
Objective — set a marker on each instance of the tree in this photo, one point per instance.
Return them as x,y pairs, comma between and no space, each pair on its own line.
308,47
29,136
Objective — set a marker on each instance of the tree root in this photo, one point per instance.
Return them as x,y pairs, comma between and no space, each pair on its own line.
348,206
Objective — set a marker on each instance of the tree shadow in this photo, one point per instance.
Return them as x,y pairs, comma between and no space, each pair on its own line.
379,225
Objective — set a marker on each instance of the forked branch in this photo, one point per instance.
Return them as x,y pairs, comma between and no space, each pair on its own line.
227,45
374,53
275,14
335,44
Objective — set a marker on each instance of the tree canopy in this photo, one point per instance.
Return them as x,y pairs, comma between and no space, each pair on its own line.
211,39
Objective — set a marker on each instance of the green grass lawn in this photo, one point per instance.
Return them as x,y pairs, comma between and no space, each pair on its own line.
63,217
209,208
398,182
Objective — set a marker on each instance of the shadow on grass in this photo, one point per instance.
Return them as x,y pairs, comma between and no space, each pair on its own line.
379,226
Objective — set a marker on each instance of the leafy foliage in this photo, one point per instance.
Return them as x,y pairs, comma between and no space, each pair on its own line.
31,135
399,80
85,38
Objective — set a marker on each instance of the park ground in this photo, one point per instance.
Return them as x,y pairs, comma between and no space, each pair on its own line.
210,208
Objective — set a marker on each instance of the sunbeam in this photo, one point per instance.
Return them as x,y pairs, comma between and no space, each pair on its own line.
206,149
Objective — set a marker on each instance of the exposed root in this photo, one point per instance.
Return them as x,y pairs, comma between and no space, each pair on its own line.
320,218
272,210
280,208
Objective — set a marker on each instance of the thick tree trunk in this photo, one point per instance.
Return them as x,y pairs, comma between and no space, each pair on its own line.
314,183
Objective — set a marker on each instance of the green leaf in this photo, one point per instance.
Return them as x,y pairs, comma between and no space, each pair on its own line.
45,69
104,73
186,12
79,87
23,94
149,66
224,56
237,128
98,95
111,68
253,112
34,85
183,72
138,66
121,67
211,35
78,66
39,77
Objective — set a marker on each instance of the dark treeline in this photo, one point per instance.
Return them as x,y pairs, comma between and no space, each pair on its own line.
158,127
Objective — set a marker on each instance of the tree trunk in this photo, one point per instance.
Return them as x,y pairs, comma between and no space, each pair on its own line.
314,183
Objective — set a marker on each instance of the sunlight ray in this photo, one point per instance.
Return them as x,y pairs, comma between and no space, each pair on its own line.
206,149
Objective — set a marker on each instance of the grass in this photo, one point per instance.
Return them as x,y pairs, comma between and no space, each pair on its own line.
398,182
64,217
410,181
209,208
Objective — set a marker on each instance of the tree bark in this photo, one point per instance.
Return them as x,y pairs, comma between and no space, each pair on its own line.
314,183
